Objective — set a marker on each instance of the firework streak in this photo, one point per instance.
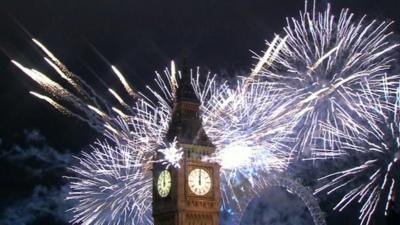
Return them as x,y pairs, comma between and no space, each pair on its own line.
320,92
372,145
327,60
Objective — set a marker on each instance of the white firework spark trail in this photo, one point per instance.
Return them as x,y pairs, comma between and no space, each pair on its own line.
325,71
373,144
145,120
81,100
111,186
112,183
326,60
241,123
247,126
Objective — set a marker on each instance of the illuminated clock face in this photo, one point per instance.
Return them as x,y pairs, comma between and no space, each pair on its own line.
199,181
164,183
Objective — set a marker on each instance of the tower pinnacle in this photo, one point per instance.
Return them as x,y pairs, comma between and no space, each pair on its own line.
186,123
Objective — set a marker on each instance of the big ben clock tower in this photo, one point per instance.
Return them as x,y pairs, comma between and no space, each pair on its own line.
189,195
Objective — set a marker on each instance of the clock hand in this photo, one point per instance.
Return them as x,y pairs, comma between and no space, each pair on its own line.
199,177
164,180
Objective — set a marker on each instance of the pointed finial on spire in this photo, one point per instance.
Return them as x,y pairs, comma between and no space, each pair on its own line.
185,90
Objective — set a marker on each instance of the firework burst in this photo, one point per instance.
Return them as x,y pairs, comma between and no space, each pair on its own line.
373,146
246,125
111,186
83,102
327,60
314,82
112,183
244,119
242,124
145,122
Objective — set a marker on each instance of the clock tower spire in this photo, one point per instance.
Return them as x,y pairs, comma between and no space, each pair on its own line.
189,195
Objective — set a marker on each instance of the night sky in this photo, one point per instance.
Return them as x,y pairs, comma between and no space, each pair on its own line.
139,37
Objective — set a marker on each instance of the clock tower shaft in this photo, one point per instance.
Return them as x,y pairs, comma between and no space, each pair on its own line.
194,201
